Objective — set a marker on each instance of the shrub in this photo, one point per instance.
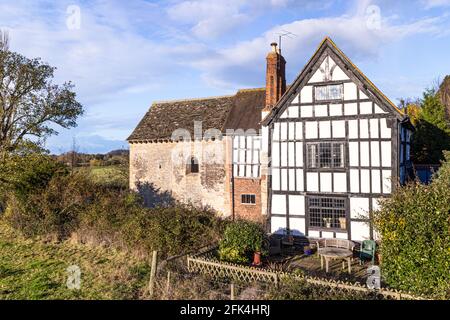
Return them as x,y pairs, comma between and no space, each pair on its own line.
415,232
241,239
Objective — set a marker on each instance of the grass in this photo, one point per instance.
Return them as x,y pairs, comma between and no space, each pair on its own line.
109,175
37,270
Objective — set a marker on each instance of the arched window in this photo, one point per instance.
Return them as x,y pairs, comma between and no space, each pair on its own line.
192,165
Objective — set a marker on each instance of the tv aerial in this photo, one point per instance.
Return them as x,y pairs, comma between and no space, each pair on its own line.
285,33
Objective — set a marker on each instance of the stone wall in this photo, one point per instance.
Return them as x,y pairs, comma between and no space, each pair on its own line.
158,171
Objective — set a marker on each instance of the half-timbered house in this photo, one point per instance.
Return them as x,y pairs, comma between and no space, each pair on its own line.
310,159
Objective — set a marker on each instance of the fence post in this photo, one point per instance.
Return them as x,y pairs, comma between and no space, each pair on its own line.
153,272
168,285
232,292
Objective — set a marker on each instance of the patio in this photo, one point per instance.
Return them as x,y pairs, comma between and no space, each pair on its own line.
293,259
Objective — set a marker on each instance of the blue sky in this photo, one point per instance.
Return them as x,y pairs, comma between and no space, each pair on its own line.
122,55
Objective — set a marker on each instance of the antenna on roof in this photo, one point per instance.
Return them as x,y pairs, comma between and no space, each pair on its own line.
284,33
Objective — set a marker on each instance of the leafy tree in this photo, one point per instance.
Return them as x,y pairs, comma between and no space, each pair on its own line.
432,134
414,226
30,103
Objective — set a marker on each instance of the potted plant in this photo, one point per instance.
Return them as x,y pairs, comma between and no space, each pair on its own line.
307,250
342,222
327,222
257,258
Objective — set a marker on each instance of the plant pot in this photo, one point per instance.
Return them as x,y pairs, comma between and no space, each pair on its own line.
343,223
257,258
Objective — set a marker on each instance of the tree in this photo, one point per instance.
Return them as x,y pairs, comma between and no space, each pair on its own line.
432,134
30,103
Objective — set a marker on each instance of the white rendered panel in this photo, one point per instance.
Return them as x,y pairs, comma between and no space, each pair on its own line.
354,180
306,94
321,110
359,208
312,181
365,107
311,130
360,231
283,154
293,112
365,181
291,131
376,181
291,154
299,173
385,132
278,204
299,154
338,74
364,128
275,154
278,225
342,235
313,234
325,129
353,129
378,109
297,226
283,135
325,182
336,109
298,130
340,182
386,154
296,99
327,234
386,176
350,91
375,153
374,130
284,181
338,129
276,131
292,180
364,145
353,147
350,109
296,205
284,115
276,179
306,111
362,95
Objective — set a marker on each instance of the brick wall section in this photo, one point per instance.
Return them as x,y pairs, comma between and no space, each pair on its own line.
275,77
247,211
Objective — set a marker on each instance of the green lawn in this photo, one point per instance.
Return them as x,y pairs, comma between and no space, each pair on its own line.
110,175
37,270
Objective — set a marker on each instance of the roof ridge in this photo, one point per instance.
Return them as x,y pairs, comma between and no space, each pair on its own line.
251,89
192,99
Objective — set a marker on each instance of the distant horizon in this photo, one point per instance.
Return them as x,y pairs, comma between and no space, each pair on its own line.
122,56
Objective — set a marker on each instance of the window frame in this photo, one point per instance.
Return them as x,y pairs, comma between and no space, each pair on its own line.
328,99
250,196
319,162
335,226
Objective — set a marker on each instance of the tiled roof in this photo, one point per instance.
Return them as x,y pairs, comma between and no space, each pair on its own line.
239,111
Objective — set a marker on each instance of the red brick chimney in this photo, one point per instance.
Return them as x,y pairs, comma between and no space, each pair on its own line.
275,77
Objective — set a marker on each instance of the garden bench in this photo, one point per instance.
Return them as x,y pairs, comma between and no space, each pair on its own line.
329,249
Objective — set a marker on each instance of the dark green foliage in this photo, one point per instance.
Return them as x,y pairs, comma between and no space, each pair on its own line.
414,225
240,240
44,199
432,134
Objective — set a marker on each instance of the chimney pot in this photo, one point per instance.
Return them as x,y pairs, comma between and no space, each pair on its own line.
274,46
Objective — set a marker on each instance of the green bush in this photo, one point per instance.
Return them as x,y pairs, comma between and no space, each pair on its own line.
240,240
414,226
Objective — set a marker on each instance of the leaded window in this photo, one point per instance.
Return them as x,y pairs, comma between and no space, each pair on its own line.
327,213
248,199
329,92
325,155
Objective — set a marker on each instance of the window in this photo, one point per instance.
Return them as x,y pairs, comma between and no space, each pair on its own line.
192,166
248,199
325,155
330,92
328,213
246,156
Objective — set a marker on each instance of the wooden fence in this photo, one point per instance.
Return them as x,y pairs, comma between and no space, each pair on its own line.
205,263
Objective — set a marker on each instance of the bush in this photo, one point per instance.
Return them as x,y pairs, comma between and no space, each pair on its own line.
415,233
241,239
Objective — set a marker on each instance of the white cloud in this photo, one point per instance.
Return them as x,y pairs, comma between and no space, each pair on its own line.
435,3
